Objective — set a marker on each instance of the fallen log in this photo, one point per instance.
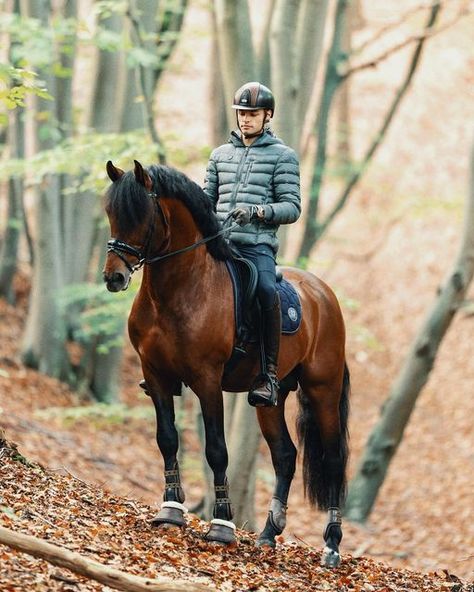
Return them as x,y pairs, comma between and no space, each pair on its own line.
94,570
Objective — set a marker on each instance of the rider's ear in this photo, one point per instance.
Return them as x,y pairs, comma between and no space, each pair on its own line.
113,172
141,176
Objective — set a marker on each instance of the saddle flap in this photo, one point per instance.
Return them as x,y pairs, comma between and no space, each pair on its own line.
244,280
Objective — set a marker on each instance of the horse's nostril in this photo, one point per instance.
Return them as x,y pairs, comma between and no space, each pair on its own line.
118,277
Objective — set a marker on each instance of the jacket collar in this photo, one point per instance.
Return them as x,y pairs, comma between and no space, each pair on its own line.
265,139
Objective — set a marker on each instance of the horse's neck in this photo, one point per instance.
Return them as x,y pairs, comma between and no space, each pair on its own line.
179,274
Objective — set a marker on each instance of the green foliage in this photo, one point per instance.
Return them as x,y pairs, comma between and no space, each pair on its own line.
98,413
15,85
35,45
83,157
102,315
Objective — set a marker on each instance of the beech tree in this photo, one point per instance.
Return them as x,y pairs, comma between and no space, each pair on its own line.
68,242
388,432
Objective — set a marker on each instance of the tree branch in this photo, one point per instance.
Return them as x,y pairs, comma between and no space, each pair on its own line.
91,569
391,25
379,136
331,82
427,34
147,94
172,23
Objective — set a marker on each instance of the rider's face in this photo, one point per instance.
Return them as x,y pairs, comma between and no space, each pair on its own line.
251,122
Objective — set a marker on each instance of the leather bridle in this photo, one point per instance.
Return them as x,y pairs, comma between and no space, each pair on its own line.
120,248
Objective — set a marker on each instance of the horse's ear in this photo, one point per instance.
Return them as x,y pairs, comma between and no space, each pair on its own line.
113,172
142,177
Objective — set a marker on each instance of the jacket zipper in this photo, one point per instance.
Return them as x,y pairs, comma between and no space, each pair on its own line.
233,198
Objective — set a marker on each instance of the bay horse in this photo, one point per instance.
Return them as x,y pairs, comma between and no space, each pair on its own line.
182,326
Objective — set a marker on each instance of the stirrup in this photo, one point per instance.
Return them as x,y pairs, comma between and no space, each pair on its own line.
259,396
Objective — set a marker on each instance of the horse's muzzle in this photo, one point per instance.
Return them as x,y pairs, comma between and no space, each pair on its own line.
116,281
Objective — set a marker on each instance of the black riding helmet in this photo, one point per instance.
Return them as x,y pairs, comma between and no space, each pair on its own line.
252,96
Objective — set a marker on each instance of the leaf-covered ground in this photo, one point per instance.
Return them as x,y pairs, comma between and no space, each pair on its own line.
385,256
114,530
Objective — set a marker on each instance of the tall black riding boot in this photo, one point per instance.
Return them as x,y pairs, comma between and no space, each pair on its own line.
264,392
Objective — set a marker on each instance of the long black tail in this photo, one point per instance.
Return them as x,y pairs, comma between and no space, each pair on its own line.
324,479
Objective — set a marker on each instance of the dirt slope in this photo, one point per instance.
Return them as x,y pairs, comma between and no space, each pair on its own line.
114,530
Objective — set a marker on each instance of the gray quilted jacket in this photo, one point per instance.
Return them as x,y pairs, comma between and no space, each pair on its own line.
264,173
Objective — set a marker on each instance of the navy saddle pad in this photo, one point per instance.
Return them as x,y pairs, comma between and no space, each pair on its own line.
244,281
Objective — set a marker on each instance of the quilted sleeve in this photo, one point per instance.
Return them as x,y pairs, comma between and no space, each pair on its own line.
286,182
211,182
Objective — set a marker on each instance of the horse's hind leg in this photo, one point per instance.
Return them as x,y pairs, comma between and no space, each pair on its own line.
172,509
322,427
283,452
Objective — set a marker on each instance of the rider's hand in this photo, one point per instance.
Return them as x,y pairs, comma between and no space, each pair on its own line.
244,216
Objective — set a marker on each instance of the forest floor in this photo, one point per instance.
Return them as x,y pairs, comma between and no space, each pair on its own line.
70,513
385,256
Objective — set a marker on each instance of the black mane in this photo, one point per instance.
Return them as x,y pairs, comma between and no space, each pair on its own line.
130,203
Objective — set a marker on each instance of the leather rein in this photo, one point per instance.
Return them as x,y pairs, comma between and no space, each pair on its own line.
120,248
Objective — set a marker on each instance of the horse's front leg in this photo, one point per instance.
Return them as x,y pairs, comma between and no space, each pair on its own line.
222,528
172,509
283,451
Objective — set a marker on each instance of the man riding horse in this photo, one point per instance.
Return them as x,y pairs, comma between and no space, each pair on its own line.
255,178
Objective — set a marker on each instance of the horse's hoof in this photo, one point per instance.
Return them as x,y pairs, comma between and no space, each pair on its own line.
330,558
170,516
221,532
266,543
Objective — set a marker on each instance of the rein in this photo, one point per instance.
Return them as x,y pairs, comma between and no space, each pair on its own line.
118,247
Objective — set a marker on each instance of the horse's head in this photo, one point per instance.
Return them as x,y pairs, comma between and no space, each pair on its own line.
131,207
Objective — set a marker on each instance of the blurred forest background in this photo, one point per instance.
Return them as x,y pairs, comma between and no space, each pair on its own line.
377,100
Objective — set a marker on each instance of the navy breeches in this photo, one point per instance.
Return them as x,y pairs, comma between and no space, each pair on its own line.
263,257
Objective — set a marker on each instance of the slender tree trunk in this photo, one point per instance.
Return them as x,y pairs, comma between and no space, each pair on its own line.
388,432
309,50
11,238
331,82
343,157
102,369
263,55
285,81
14,224
45,332
243,440
235,48
218,124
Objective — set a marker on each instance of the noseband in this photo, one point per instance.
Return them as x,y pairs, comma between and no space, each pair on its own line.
119,248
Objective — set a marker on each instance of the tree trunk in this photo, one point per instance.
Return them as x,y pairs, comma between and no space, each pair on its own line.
388,432
45,332
284,74
243,441
234,37
102,369
109,576
218,124
11,239
331,82
314,227
343,157
309,50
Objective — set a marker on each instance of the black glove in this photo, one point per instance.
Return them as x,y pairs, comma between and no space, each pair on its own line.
243,216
